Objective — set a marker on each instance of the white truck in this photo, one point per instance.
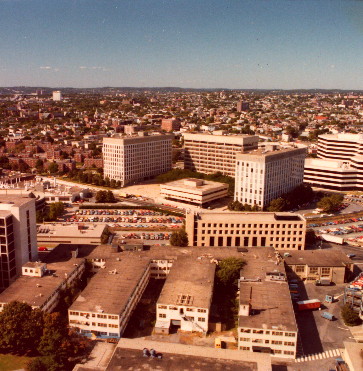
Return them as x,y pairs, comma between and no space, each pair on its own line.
334,239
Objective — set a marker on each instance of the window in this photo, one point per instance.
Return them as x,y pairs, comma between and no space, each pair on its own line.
257,331
257,341
112,317
313,270
202,311
112,325
325,271
190,310
102,324
162,307
277,351
300,268
201,319
289,343
162,315
244,339
292,334
288,352
277,333
276,342
247,330
245,348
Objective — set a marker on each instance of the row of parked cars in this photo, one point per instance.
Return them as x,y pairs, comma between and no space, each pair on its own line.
147,236
112,219
134,212
335,222
342,230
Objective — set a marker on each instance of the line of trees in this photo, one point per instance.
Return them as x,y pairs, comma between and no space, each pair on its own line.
31,332
50,213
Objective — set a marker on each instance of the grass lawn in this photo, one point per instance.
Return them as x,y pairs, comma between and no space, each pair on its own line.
9,362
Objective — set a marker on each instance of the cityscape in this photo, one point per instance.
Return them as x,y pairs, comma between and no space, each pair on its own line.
181,185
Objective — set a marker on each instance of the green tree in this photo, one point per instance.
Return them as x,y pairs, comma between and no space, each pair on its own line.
228,271
179,238
101,196
330,203
20,328
310,236
350,317
53,168
110,197
278,204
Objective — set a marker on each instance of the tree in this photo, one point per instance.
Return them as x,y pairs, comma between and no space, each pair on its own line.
20,328
310,237
330,203
53,168
278,204
350,317
228,271
179,238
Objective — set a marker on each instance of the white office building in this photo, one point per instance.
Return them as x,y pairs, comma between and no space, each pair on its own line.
57,96
132,159
339,165
266,174
18,236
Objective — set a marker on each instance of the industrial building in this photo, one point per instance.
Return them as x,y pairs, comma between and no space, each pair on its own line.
104,307
266,320
192,191
41,283
312,265
132,159
186,296
18,238
215,153
278,230
267,173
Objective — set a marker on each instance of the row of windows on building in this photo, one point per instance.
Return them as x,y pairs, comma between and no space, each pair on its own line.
232,231
267,332
273,342
85,314
275,351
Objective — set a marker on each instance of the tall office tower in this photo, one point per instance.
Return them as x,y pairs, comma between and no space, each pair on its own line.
18,236
340,163
131,159
266,174
57,96
242,106
215,153
170,124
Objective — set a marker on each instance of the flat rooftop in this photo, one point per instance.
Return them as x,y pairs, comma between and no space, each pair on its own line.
194,185
269,152
36,290
110,292
70,230
317,258
16,200
271,306
242,217
190,282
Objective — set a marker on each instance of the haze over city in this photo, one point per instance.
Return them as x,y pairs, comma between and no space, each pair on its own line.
184,43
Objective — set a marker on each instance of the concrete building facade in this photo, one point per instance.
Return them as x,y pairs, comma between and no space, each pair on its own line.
215,153
18,236
277,230
193,191
131,159
186,297
266,174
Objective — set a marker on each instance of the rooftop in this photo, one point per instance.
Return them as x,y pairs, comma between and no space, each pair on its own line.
190,282
194,185
36,290
15,200
271,306
70,230
317,258
118,279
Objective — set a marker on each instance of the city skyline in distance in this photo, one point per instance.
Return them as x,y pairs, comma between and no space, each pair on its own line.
206,44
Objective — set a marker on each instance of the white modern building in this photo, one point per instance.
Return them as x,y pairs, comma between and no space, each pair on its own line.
131,159
339,165
57,96
18,236
193,191
186,297
207,153
266,174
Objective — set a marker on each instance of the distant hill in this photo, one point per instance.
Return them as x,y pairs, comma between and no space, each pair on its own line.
113,90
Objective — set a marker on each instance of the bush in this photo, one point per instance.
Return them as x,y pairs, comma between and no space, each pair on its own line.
350,317
179,238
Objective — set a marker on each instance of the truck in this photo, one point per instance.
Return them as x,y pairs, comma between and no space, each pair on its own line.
308,304
323,282
335,239
327,316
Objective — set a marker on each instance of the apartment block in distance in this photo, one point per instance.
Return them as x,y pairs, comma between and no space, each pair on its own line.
170,124
186,297
282,231
18,236
215,153
266,320
132,159
339,165
265,174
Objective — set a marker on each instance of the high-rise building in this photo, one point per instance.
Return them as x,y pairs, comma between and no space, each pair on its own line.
339,165
265,174
210,154
57,96
18,236
131,159
242,106
170,124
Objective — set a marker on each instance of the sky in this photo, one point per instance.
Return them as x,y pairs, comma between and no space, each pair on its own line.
235,44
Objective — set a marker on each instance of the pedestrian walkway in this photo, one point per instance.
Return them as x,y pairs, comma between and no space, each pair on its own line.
313,357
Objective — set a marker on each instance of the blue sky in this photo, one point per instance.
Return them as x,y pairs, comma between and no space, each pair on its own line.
186,43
